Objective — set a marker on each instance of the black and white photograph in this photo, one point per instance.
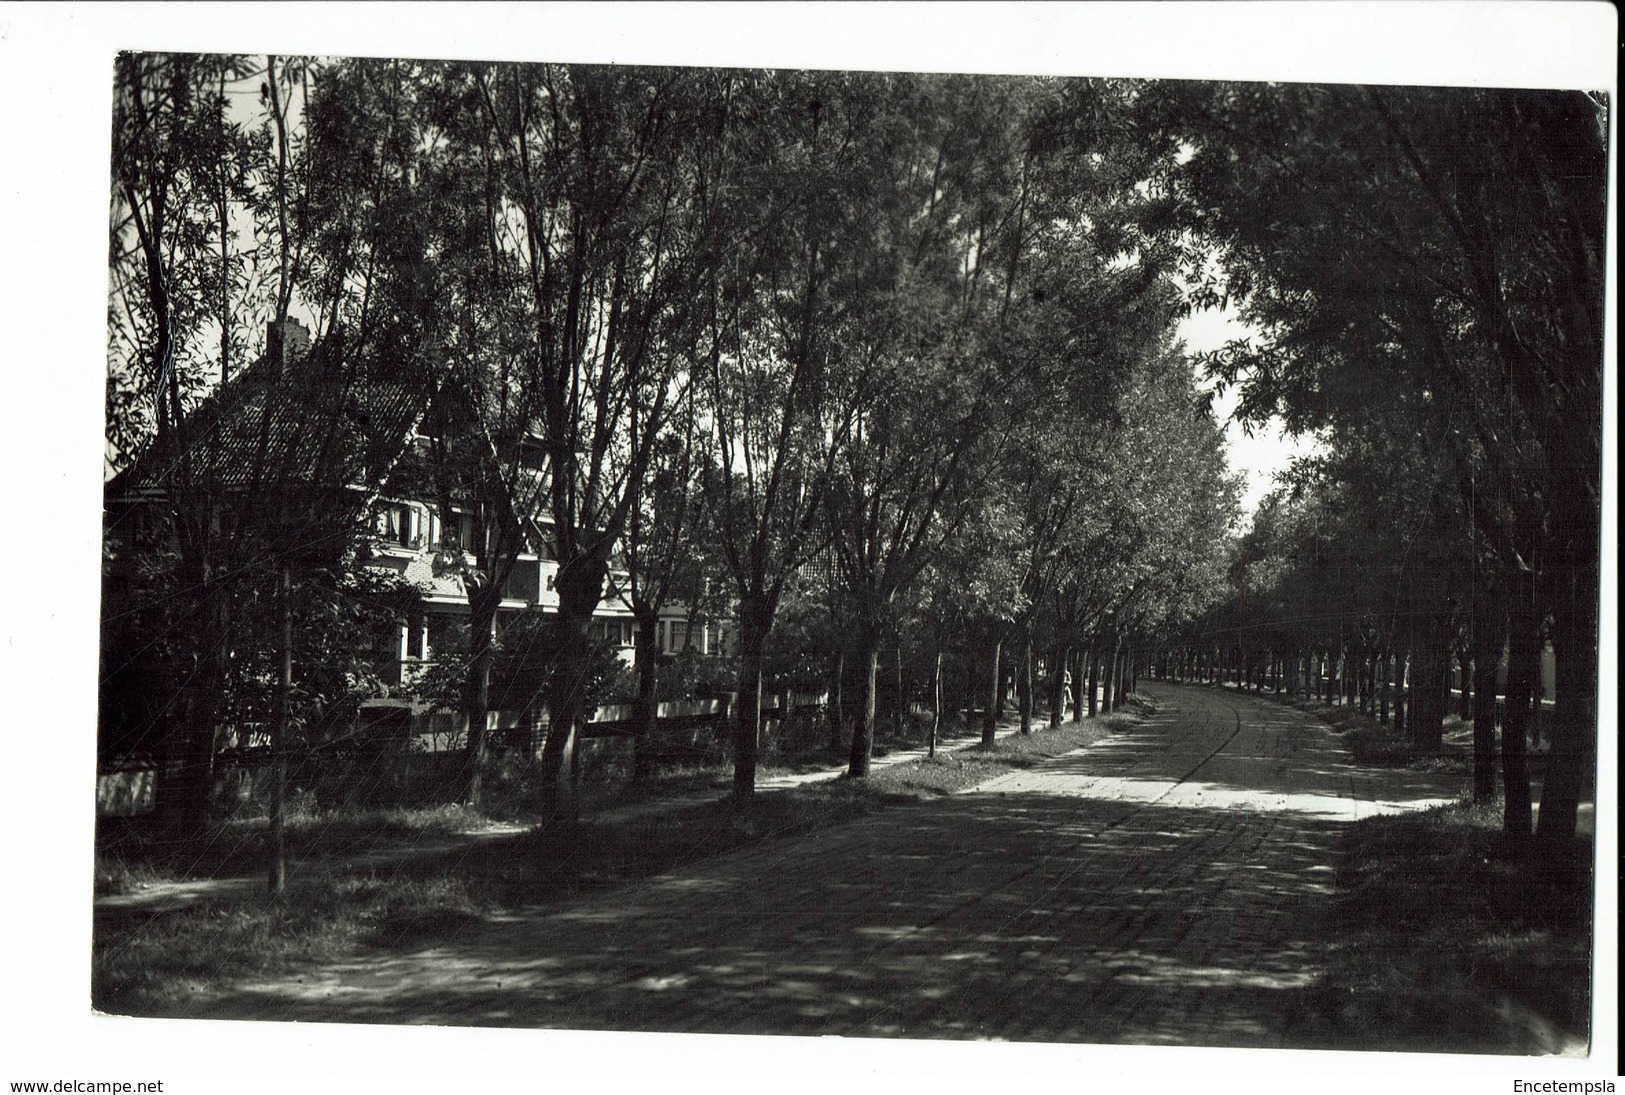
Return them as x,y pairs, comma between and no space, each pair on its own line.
620,559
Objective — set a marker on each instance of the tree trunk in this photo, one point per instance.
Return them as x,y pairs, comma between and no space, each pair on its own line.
936,703
1489,646
186,768
1024,684
1523,678
863,732
1384,669
837,706
990,718
1430,673
1006,683
566,703
580,586
1401,693
1571,753
900,716
645,719
482,606
1094,681
1078,659
969,684
277,880
755,621
1056,684
1109,699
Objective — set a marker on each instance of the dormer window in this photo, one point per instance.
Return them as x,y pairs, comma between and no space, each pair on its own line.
455,532
398,524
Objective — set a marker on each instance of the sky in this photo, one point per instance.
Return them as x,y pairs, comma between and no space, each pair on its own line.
1268,449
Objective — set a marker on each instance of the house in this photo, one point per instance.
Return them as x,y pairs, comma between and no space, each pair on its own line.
409,537
272,468
302,448
300,432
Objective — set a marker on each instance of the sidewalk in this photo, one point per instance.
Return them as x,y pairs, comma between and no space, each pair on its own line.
1010,725
173,894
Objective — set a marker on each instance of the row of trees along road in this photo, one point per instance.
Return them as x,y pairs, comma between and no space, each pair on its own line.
902,332
887,351
1425,269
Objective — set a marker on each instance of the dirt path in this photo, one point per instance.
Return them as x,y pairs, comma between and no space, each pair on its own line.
1155,888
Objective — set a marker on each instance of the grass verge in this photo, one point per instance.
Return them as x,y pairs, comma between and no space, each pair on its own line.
949,772
400,879
133,853
1373,744
1450,938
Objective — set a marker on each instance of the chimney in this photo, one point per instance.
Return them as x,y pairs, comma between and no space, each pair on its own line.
287,346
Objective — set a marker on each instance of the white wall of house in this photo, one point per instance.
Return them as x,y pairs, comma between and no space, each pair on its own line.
407,535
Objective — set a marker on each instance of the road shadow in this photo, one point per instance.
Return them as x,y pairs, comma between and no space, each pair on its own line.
1145,891
1030,917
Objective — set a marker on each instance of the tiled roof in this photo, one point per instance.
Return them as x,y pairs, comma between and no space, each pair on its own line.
316,425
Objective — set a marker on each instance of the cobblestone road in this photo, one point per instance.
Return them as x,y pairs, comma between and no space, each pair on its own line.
1155,888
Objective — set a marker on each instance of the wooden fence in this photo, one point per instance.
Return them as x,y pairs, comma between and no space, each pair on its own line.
413,752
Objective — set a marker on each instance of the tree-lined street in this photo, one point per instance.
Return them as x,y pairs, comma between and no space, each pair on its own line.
463,413
1163,886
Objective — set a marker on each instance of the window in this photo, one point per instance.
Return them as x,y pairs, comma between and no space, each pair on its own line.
617,632
396,523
